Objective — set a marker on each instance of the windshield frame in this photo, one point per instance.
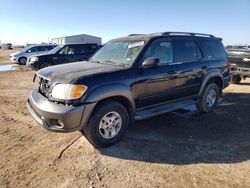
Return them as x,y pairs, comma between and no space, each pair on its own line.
56,49
130,41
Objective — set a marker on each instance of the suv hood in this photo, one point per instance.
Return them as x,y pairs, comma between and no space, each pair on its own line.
67,72
16,53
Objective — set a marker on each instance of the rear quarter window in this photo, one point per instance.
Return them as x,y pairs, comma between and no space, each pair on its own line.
213,48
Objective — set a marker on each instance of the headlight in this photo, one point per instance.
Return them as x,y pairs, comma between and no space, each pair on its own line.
68,91
34,59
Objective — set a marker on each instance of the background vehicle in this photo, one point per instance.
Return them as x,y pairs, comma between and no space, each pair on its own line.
63,54
128,79
6,46
239,58
22,56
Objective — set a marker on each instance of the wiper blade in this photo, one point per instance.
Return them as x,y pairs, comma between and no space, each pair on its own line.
94,61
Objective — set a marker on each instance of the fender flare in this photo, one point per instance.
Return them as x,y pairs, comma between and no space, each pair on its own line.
208,77
109,91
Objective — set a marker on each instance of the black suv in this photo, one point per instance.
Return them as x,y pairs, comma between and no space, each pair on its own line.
130,78
63,54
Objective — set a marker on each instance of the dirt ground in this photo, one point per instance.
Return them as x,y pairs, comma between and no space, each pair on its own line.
172,150
5,55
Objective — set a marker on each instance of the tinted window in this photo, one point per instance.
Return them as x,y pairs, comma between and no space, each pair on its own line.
67,50
213,48
81,49
186,50
33,49
162,49
43,48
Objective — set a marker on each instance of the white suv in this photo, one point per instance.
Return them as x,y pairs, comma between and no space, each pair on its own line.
22,56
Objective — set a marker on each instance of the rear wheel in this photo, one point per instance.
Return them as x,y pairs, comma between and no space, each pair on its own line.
45,64
209,98
22,60
235,79
107,124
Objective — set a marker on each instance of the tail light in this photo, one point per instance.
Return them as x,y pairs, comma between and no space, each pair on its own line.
229,65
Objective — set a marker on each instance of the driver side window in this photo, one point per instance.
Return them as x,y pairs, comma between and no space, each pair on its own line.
162,49
33,49
67,50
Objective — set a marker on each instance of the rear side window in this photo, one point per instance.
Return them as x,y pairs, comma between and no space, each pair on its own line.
186,50
45,48
82,49
213,48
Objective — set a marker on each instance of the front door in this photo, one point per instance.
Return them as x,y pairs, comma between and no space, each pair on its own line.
178,75
66,55
158,84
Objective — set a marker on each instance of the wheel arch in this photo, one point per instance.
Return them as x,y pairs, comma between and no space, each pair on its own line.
215,77
119,93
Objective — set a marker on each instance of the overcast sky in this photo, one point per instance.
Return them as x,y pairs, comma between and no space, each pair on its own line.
31,21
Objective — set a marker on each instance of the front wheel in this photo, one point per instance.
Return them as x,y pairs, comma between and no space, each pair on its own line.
209,98
107,124
22,60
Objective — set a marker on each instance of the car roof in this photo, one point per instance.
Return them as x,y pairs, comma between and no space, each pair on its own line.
35,45
164,34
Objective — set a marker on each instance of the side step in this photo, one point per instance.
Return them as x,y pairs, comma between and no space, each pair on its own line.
161,109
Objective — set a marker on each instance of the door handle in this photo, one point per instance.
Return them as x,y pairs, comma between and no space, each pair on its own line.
204,68
172,72
187,71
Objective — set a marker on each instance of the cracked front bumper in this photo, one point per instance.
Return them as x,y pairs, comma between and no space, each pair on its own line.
57,117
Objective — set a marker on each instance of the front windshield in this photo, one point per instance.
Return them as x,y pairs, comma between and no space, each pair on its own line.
54,50
119,52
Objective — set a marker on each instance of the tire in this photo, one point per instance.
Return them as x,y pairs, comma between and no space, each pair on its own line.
95,130
209,98
22,60
45,64
235,79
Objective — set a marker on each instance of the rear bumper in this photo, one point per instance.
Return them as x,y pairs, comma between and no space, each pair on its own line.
57,117
235,70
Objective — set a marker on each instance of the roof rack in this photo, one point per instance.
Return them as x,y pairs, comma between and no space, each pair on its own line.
184,33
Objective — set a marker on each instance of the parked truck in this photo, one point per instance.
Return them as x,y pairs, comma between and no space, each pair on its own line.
240,63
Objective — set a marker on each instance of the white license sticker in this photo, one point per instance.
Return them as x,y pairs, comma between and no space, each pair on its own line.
135,44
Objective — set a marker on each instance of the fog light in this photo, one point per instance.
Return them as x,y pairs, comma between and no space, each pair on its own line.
60,122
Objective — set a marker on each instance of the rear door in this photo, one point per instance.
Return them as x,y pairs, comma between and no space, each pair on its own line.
85,51
189,65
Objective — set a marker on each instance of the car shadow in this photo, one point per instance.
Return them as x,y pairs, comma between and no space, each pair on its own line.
244,83
189,137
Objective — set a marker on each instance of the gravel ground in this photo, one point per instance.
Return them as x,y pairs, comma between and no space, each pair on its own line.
172,150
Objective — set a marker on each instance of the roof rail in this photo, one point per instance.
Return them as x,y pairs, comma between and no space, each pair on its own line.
184,33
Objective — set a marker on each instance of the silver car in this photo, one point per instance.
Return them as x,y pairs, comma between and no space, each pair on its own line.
22,56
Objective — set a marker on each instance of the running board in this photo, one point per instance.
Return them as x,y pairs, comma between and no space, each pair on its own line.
158,110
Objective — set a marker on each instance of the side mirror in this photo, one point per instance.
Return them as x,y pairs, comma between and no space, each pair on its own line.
150,62
29,51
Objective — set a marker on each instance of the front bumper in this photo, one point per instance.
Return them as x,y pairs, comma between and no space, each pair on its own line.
13,59
57,117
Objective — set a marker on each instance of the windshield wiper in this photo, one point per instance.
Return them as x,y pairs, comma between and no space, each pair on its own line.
94,61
